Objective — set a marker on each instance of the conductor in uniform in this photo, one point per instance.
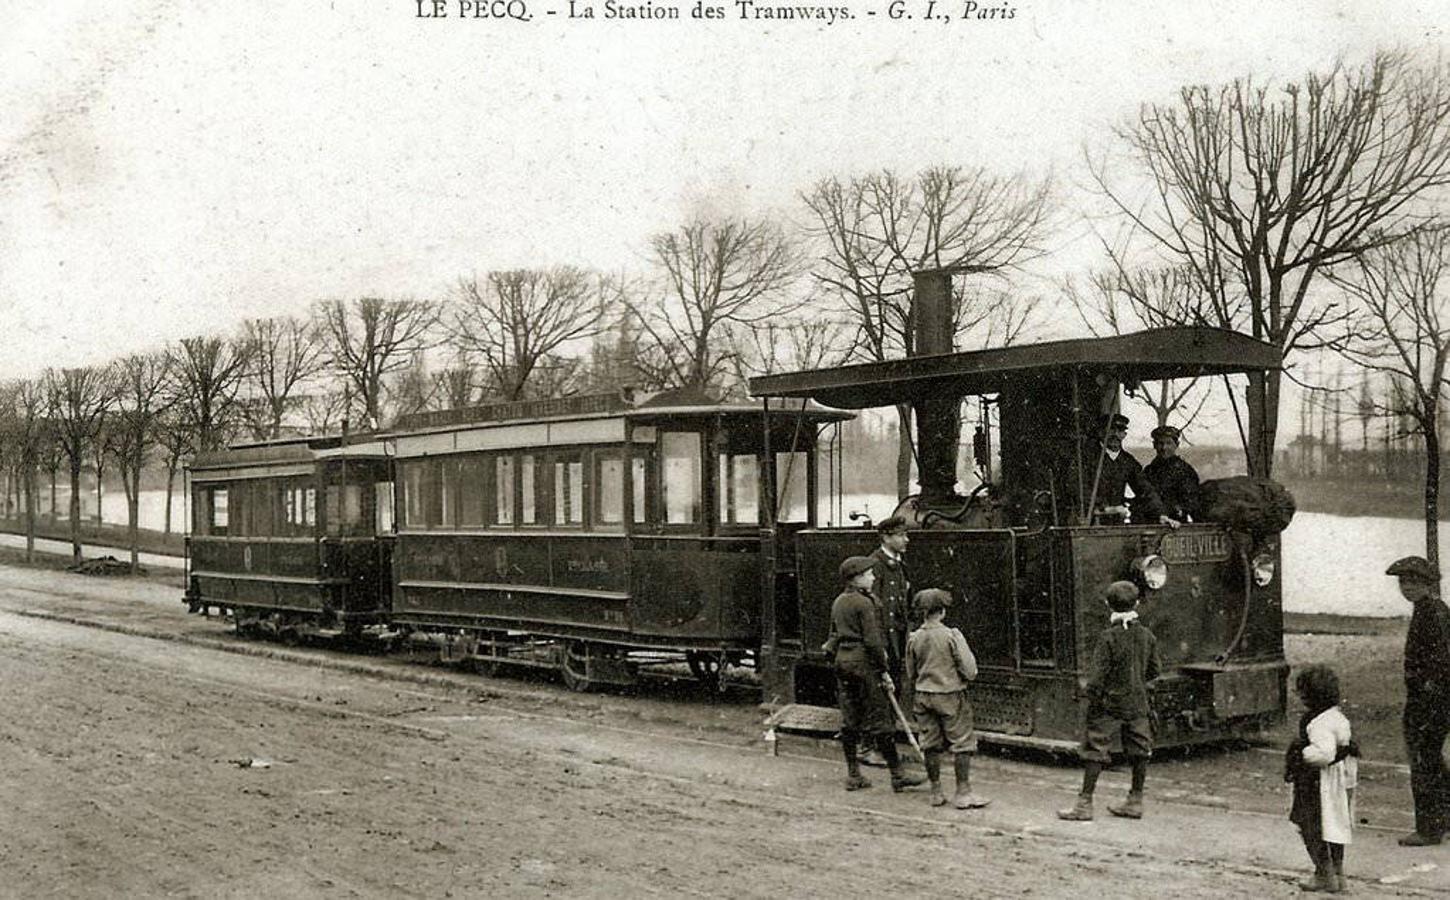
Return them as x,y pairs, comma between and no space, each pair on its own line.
893,592
1427,698
1174,479
1114,470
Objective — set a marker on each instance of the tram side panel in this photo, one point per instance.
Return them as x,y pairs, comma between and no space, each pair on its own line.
696,592
557,585
261,573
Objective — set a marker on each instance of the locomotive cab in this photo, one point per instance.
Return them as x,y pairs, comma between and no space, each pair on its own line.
1028,558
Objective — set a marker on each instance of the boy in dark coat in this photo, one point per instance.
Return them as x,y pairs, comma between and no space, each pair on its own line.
1124,661
858,643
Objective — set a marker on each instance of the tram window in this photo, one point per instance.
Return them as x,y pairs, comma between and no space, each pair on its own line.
383,506
298,506
414,488
738,489
680,451
609,489
568,492
504,481
447,511
264,505
220,511
790,480
345,510
528,491
473,478
640,485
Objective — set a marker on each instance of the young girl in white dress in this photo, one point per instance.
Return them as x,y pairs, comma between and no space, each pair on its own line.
1323,766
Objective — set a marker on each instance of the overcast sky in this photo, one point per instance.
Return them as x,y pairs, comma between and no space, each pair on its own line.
168,168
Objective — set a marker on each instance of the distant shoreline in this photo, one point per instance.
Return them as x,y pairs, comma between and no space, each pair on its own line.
1352,498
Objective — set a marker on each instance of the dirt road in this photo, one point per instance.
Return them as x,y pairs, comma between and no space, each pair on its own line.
141,765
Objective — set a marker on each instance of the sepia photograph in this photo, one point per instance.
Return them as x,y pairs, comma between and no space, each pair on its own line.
724,448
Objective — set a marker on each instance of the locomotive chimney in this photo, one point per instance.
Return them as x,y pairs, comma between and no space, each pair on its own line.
938,419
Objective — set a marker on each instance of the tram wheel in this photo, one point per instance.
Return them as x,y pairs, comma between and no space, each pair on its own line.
482,665
573,668
708,668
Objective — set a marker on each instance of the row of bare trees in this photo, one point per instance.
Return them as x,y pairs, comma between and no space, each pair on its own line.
1277,210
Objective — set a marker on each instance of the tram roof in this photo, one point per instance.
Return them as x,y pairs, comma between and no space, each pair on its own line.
289,452
1153,355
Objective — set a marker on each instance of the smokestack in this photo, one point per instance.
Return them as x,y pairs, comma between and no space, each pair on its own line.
938,419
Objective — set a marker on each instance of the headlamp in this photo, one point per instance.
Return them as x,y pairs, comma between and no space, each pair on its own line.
1151,571
1263,568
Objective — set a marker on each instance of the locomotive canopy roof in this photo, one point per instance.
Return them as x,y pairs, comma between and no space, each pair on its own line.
1153,355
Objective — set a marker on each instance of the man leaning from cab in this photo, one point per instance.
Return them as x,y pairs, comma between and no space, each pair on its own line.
1115,470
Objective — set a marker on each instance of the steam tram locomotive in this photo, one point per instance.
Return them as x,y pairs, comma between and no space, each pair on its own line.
1030,559
601,535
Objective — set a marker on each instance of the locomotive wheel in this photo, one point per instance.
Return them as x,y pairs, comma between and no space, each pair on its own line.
572,667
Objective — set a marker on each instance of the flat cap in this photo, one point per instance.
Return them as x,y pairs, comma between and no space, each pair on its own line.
852,566
931,600
1416,567
1121,595
1166,431
892,525
1116,420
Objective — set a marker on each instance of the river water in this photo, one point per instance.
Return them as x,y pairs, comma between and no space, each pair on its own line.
1332,564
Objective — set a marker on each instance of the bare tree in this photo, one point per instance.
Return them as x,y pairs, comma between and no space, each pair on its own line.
1118,301
284,353
808,342
176,439
101,450
207,375
78,400
413,388
719,277
456,387
1258,192
876,231
142,397
32,433
52,456
1405,332
371,338
511,321
324,410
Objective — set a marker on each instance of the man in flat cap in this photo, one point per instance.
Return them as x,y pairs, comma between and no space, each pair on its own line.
1114,469
858,642
1427,698
1172,477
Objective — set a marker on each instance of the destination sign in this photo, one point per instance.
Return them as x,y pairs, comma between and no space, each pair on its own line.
1196,546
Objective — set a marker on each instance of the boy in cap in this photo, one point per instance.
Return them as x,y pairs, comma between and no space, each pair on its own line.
1124,661
858,642
1427,698
939,664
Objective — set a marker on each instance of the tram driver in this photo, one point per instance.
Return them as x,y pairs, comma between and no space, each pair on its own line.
1114,470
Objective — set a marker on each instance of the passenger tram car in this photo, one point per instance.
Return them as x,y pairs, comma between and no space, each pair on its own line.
285,535
603,535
